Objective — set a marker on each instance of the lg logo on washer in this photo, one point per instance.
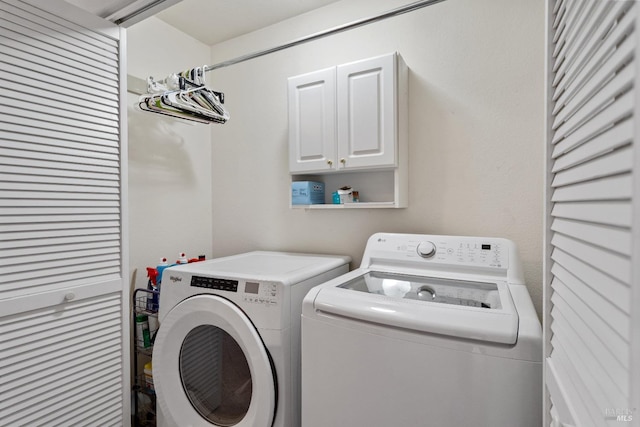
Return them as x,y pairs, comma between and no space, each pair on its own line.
175,279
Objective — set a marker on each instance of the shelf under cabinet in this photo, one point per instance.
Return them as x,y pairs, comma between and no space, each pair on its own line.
358,205
378,189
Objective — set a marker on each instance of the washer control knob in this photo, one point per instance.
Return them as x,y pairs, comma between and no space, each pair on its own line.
426,249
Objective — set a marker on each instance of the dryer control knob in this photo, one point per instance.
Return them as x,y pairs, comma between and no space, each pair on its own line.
426,249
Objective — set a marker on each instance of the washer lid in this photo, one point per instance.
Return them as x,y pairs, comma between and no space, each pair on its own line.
466,309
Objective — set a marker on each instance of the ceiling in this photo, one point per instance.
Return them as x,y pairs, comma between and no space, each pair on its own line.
210,21
214,21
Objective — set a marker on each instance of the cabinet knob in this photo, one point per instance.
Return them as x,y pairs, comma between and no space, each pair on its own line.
343,161
330,162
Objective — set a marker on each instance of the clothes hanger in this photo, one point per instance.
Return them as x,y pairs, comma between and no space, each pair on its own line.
154,105
185,96
192,101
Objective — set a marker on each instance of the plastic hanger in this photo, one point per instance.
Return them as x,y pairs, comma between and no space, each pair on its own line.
185,96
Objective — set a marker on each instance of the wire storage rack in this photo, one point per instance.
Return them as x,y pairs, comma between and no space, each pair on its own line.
145,319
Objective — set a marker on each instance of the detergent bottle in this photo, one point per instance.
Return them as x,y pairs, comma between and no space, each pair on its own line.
161,266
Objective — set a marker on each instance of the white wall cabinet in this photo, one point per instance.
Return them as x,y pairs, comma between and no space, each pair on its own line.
352,118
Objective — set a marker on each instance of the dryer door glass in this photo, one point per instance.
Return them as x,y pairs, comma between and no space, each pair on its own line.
215,375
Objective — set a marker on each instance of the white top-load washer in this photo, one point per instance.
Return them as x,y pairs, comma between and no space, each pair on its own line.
228,349
429,331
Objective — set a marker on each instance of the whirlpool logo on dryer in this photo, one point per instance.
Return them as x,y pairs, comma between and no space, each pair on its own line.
175,279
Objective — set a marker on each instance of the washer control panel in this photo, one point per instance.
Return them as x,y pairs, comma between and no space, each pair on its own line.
480,252
440,250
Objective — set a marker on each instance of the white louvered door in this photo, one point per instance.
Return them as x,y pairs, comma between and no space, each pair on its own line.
592,287
64,352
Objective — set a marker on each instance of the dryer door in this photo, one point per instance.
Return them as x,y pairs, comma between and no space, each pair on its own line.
211,368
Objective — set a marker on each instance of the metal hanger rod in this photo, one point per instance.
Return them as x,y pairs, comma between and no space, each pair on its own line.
355,24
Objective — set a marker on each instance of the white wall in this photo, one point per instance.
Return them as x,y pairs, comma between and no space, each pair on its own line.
169,159
476,129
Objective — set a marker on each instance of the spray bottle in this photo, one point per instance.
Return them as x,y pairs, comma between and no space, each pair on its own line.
152,285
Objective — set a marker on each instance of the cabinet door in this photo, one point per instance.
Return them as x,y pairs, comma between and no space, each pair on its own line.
366,107
312,119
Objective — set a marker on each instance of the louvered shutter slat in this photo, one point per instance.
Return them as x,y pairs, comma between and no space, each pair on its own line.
572,384
24,151
581,89
591,196
23,74
559,15
106,47
619,110
71,154
602,337
63,310
59,35
47,143
101,36
40,333
615,188
78,348
47,64
36,73
615,265
577,12
59,176
50,280
562,24
606,286
59,237
612,238
614,162
617,136
15,231
59,123
611,213
49,47
594,43
54,134
54,112
565,47
584,385
602,388
603,96
46,164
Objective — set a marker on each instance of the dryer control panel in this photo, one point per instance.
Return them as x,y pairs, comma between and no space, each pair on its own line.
214,283
260,293
265,293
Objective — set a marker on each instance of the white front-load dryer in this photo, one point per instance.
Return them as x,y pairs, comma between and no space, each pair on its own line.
429,331
227,352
